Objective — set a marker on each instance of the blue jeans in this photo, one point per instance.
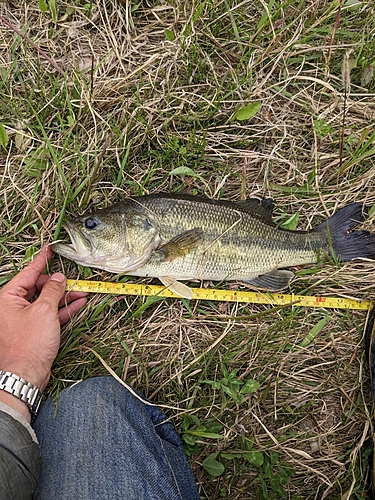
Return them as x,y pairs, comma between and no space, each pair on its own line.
102,443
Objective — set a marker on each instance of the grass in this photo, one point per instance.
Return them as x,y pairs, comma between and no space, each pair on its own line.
227,99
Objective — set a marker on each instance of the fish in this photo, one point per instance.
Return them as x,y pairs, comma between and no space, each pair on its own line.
176,237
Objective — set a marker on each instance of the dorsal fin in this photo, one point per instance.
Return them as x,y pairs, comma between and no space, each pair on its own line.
261,206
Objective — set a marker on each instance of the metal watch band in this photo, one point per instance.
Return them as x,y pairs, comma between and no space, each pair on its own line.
19,387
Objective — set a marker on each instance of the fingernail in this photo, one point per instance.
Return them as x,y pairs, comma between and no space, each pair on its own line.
58,277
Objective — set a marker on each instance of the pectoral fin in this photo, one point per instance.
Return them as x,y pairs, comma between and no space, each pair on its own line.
273,281
181,244
177,287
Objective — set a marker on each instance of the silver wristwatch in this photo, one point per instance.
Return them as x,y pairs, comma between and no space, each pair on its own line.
23,390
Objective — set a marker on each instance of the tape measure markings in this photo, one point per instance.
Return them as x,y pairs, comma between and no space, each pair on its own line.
219,295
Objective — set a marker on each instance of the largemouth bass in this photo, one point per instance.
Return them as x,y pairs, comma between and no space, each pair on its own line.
183,237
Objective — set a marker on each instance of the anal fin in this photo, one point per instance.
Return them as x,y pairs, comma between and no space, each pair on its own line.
177,287
273,281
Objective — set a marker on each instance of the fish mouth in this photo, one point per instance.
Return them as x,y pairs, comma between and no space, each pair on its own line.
79,248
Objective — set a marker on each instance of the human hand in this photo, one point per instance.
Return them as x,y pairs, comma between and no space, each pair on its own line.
30,331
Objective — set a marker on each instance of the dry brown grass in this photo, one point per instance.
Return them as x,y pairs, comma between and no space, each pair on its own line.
157,104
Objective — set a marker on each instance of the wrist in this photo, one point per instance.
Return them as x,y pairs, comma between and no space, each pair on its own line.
16,404
21,389
37,376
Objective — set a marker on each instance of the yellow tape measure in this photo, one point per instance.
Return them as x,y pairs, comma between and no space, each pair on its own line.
218,295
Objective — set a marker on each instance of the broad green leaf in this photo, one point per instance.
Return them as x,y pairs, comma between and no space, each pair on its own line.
274,457
353,4
87,9
205,434
194,419
4,138
188,438
201,428
135,7
169,35
279,490
233,374
35,168
250,386
314,331
185,422
225,371
5,279
254,457
249,442
265,19
291,223
233,394
231,456
71,121
371,212
53,9
84,271
281,477
231,382
43,7
213,466
29,254
146,304
263,490
321,127
198,11
183,171
212,383
247,111
214,426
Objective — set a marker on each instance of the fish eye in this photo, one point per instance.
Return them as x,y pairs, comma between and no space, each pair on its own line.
91,223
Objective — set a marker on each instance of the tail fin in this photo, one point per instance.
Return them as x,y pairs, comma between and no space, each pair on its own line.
346,243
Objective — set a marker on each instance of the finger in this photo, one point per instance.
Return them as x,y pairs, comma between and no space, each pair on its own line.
71,297
53,290
27,278
40,282
66,313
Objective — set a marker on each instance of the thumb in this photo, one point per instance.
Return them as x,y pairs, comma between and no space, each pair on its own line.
53,290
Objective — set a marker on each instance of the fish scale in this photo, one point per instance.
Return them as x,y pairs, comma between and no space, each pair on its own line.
236,244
